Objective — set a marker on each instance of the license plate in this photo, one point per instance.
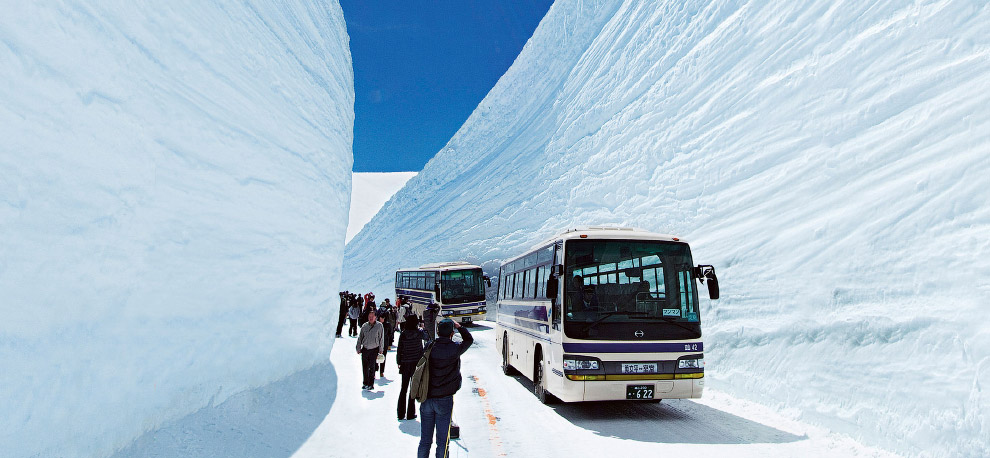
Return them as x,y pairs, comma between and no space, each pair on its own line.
639,368
639,391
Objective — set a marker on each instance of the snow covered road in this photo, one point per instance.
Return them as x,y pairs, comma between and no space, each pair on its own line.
499,416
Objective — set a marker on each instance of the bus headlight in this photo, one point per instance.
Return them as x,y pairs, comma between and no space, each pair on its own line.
580,364
691,363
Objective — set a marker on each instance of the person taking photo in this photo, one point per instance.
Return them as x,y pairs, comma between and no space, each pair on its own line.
445,380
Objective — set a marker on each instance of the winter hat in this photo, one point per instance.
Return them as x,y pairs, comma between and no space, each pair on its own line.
445,328
412,322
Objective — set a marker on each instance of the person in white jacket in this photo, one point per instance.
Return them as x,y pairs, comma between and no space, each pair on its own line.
352,317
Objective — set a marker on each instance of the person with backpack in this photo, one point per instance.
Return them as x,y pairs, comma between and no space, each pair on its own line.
393,317
408,353
444,380
370,343
402,310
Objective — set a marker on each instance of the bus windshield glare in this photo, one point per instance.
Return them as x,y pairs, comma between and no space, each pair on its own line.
617,289
460,286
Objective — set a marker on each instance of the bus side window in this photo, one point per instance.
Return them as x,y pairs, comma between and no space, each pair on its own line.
541,286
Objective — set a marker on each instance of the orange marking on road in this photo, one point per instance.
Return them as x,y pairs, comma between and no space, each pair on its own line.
493,435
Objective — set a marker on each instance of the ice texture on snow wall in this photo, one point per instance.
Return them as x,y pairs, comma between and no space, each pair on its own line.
829,157
174,188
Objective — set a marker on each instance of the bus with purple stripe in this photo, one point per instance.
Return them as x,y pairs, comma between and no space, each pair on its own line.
604,313
457,287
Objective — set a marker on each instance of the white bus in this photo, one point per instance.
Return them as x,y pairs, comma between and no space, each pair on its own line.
602,313
457,287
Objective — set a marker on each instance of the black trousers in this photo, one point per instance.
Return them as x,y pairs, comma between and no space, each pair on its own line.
389,334
381,366
406,408
352,330
369,365
340,322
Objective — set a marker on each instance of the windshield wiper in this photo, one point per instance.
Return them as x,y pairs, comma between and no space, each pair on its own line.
609,314
673,320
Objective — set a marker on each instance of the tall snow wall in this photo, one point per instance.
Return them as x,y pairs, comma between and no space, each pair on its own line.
829,157
174,189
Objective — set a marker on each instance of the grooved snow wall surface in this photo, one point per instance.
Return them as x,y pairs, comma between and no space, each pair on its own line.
174,188
831,158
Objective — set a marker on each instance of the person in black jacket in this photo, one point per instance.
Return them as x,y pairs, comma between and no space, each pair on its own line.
445,380
408,353
369,306
385,341
342,313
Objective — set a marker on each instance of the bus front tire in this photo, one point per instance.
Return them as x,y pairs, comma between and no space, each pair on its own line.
539,381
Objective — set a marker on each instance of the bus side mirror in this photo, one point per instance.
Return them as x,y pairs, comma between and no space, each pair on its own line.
552,287
713,287
488,280
436,290
706,272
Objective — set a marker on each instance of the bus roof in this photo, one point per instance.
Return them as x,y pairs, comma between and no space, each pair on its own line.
601,232
442,266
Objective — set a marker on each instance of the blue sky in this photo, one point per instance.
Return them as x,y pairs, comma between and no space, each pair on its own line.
421,67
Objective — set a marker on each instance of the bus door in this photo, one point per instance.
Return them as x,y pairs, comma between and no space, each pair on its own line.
556,313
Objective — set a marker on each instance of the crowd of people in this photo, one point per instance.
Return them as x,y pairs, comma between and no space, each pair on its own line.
374,325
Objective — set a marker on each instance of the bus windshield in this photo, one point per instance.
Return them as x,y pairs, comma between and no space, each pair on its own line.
460,286
630,290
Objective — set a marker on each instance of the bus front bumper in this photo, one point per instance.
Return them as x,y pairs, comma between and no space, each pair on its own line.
462,314
615,390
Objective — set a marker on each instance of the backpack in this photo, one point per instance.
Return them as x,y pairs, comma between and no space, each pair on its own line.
419,384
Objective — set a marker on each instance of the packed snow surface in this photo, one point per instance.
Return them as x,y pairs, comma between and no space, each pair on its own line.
369,192
174,187
830,158
499,416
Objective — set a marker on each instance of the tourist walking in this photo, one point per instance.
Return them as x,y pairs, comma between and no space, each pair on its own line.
402,310
430,320
342,312
408,353
370,341
388,312
353,313
385,344
369,306
445,380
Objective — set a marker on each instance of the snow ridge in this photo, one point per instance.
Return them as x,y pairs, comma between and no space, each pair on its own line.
829,157
174,185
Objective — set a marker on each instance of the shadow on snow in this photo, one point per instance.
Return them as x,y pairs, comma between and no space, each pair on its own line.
270,421
672,421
